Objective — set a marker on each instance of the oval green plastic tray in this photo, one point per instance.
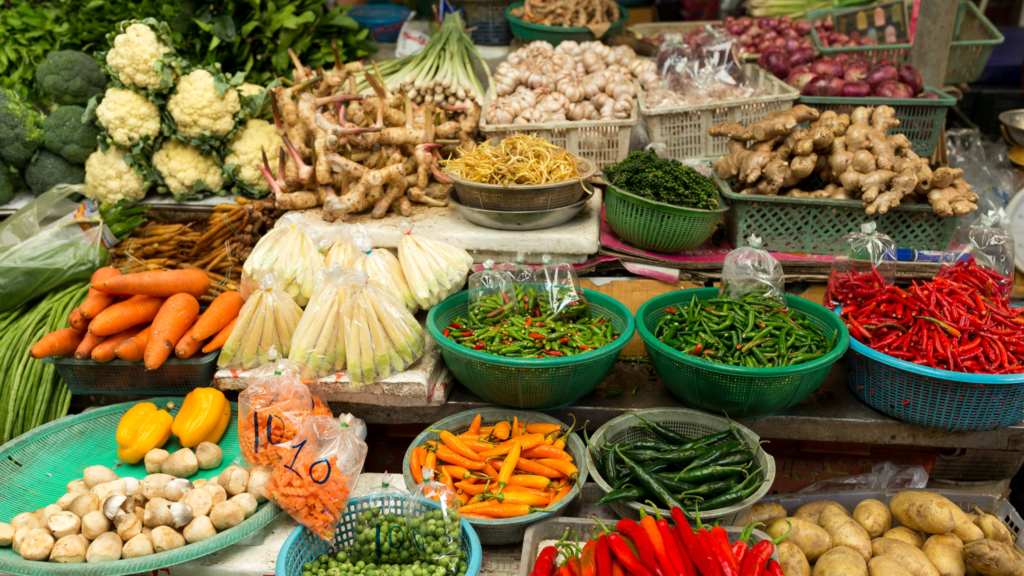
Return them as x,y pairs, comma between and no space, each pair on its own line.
36,467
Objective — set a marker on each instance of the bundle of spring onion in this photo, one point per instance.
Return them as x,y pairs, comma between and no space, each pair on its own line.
442,73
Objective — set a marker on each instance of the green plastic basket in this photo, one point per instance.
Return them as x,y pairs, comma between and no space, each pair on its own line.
36,467
921,119
898,54
737,391
530,383
528,32
658,226
812,225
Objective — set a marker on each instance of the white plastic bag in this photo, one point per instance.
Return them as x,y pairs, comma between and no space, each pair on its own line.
864,265
266,321
446,523
319,338
290,253
751,270
883,476
562,295
433,269
521,273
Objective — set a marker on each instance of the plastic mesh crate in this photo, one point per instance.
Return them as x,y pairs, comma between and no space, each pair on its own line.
684,129
968,464
175,376
898,54
528,32
811,226
487,20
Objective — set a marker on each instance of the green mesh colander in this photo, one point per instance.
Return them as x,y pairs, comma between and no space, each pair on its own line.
657,226
530,383
737,391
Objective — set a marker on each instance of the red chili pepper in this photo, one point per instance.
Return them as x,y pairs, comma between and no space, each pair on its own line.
574,566
617,569
650,527
717,549
545,564
644,546
603,556
455,325
701,556
588,559
564,571
741,546
536,336
625,556
775,569
479,345
670,310
466,333
552,352
753,565
676,554
446,332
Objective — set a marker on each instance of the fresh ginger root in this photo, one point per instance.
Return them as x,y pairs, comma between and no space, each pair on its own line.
954,200
779,122
743,162
731,129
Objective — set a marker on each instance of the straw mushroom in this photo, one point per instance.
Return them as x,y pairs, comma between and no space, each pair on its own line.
117,505
158,513
25,520
106,548
36,545
6,535
95,523
140,545
154,461
127,526
227,514
197,484
218,493
182,464
199,529
84,504
166,538
50,510
201,501
258,478
153,485
77,485
246,501
106,489
64,524
182,515
70,550
176,489
234,479
209,455
96,475
65,501
19,537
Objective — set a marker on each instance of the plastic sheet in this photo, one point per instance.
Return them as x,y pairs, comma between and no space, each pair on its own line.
266,321
865,263
883,476
749,270
562,296
492,296
434,270
319,338
288,252
381,265
991,244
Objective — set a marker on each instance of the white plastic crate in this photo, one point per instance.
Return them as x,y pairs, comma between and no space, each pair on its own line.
684,129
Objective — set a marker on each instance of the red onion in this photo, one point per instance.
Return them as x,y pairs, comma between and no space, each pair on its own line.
785,19
858,62
854,74
755,30
729,19
842,57
735,29
770,35
801,56
842,38
882,74
868,42
791,33
777,62
827,67
790,45
928,95
856,89
801,80
883,62
746,39
891,89
828,24
823,86
744,21
803,27
769,23
911,77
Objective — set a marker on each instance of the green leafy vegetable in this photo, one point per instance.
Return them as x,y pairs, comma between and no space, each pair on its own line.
663,180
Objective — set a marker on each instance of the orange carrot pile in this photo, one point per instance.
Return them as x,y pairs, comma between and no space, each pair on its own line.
506,470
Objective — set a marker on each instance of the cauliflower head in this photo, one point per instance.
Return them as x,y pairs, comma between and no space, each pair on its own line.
246,152
197,107
181,165
110,179
128,116
247,89
134,56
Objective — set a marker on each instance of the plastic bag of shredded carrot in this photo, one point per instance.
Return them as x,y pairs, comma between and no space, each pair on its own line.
436,507
315,478
273,408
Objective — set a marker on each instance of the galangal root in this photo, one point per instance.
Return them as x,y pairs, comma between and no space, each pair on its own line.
565,13
853,156
348,153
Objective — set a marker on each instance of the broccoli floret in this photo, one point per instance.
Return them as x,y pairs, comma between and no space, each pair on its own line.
49,169
21,129
64,133
6,186
70,77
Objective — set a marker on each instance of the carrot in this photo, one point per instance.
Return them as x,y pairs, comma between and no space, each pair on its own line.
133,348
123,315
221,311
160,283
61,342
95,301
220,338
175,317
105,351
85,348
188,345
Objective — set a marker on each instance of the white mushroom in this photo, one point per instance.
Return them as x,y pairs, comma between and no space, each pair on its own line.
116,505
70,550
258,478
6,535
201,501
106,489
140,545
234,479
50,510
154,461
176,488
127,526
166,538
227,514
182,515
65,501
77,485
209,455
36,545
95,523
96,475
25,520
246,501
132,486
106,548
158,513
84,504
153,485
182,464
199,529
218,493
64,524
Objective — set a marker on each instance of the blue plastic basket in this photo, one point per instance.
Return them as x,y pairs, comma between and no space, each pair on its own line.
936,398
384,21
303,546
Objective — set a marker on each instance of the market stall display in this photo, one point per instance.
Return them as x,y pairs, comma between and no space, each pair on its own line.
848,76
554,27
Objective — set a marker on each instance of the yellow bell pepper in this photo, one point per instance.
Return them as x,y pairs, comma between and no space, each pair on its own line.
203,417
141,429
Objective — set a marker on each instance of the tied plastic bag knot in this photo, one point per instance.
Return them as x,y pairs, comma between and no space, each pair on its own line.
988,246
492,296
864,265
751,270
520,272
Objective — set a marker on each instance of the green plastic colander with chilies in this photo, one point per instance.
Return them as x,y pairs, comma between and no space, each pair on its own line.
657,226
737,391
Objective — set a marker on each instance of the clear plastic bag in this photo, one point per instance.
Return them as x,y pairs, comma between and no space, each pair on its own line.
562,296
314,481
357,425
381,336
492,296
340,252
434,270
381,265
521,273
319,338
991,246
443,523
272,408
751,270
865,264
290,253
697,69
987,167
883,476
266,321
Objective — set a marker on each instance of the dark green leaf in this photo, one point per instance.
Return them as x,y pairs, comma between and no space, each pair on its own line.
249,27
224,27
203,25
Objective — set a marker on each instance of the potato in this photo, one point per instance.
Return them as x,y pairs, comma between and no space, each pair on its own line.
762,512
792,560
912,537
182,464
226,515
968,532
994,529
990,558
96,475
841,561
924,511
874,516
6,535
845,531
812,539
155,460
910,557
811,511
106,548
886,566
958,515
209,456
25,520
945,551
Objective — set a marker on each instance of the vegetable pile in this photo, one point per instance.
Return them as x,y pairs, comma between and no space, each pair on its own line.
853,156
704,68
753,332
664,180
757,35
830,38
934,536
518,160
845,75
572,13
955,322
506,470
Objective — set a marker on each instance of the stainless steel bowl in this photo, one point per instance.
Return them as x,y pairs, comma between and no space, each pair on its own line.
534,220
1014,122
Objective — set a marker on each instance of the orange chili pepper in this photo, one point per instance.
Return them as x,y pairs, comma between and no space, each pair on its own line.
478,516
489,470
474,427
497,510
559,482
542,428
574,566
517,431
525,490
507,467
650,526
547,451
457,446
530,481
522,498
430,462
562,492
532,467
457,472
472,489
560,443
414,466
463,497
567,468
524,442
475,499
476,444
501,430
446,455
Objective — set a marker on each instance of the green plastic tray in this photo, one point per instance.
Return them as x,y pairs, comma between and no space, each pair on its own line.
737,391
36,467
528,32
